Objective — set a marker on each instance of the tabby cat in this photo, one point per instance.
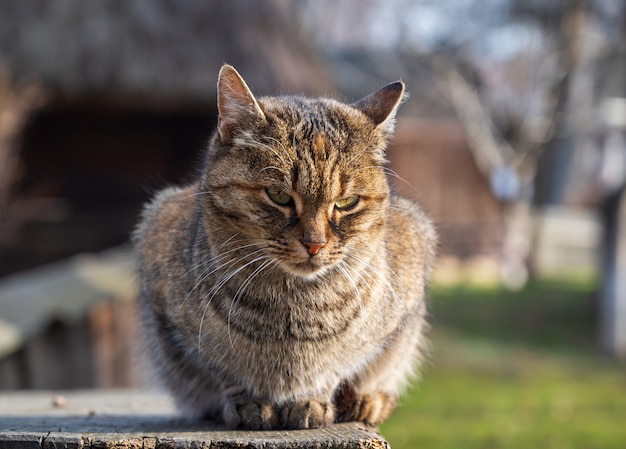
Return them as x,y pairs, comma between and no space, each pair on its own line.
285,288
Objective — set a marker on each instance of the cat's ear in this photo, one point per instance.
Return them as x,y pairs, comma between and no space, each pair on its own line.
381,106
237,107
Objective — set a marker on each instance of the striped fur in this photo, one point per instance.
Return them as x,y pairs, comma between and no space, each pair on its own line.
296,315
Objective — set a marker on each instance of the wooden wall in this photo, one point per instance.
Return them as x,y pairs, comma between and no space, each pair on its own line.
439,172
71,324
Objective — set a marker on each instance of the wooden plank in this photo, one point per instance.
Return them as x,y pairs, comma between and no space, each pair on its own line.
122,419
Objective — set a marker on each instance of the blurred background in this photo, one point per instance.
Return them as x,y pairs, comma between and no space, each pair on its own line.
513,139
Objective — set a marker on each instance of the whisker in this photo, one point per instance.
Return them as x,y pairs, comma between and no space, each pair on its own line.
272,167
229,275
269,147
380,277
279,143
389,172
210,259
354,286
359,154
216,259
227,241
204,275
392,174
397,208
192,195
221,282
220,256
360,274
240,291
370,266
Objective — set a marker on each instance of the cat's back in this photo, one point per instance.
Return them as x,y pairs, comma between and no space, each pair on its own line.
165,216
162,236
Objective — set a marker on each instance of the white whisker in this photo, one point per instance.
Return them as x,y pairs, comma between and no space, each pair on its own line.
272,167
396,208
391,173
209,270
223,280
240,291
273,139
192,195
380,277
354,286
360,274
226,242
270,148
209,260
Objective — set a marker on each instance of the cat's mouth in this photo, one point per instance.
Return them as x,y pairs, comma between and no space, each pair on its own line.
311,268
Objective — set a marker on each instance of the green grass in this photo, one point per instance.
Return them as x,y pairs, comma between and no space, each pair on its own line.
514,370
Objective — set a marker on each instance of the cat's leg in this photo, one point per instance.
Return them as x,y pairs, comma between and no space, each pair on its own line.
370,408
372,395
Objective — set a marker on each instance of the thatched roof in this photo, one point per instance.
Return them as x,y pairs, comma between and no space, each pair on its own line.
164,48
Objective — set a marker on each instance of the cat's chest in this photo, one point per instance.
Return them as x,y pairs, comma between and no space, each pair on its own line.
285,315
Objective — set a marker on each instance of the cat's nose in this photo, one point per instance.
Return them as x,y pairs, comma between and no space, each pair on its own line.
313,247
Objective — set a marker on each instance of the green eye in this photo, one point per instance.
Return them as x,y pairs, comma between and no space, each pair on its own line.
347,203
279,197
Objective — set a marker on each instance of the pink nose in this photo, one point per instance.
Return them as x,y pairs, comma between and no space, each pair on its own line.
313,247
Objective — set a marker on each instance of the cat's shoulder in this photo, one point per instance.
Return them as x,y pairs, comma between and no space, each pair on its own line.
410,229
405,214
165,211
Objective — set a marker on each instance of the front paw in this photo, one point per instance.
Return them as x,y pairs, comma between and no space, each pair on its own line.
251,415
376,408
371,409
307,414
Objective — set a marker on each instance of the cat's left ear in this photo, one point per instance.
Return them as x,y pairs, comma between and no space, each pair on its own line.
381,106
237,107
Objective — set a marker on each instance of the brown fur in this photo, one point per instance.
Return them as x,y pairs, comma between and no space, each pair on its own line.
292,310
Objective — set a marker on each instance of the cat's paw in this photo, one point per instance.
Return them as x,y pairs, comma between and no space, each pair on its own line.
371,409
375,408
307,414
251,415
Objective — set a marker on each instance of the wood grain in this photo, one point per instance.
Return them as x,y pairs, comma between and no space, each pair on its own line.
122,419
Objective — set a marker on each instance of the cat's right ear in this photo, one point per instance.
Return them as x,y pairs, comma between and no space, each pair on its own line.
237,107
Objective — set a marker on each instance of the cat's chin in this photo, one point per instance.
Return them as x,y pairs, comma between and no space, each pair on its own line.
307,270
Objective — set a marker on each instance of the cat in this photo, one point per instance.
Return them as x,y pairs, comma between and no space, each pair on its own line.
285,288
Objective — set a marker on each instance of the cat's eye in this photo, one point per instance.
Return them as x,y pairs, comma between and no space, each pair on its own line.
346,203
279,197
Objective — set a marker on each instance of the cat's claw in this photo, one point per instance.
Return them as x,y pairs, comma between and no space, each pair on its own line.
251,415
308,414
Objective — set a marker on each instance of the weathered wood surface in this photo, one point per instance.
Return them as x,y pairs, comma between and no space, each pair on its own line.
121,419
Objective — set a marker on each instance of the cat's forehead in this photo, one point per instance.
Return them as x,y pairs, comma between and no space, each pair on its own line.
309,121
319,146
